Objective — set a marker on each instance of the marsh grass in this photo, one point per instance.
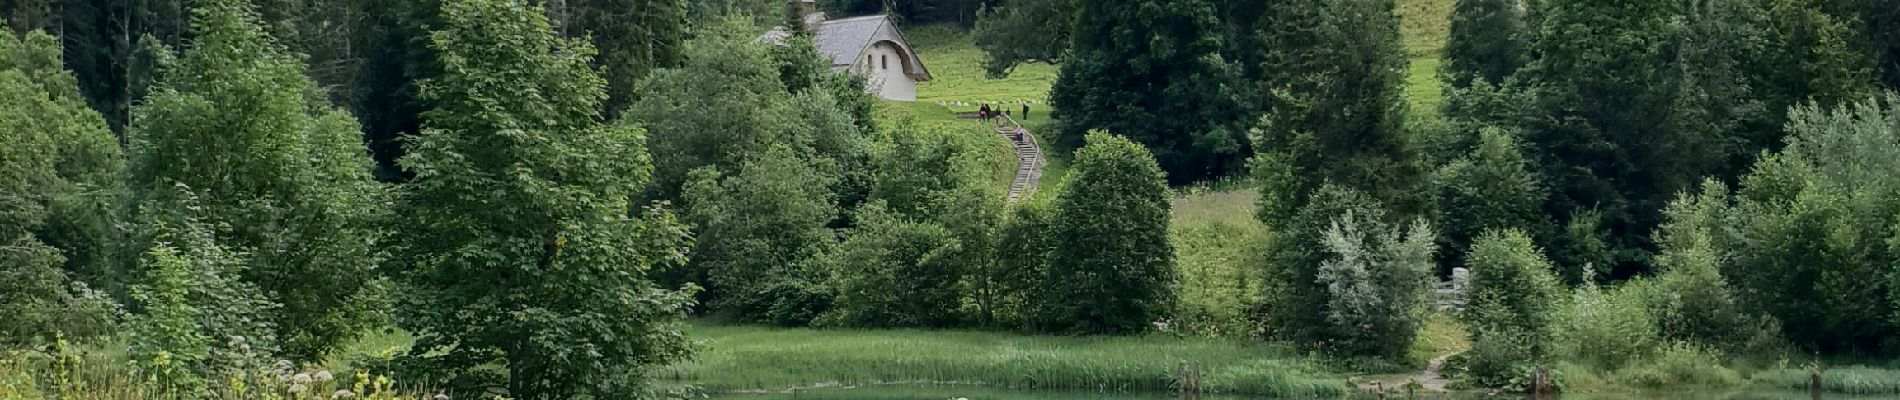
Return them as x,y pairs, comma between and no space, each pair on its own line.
738,358
1848,380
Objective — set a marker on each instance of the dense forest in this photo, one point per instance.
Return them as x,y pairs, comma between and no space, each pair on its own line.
216,196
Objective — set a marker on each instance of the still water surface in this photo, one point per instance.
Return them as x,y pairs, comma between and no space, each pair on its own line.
909,392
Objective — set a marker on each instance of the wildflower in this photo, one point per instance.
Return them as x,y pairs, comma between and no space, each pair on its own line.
297,388
441,396
343,394
300,378
324,376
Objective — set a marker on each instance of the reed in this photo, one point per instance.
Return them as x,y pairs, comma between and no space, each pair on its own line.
753,358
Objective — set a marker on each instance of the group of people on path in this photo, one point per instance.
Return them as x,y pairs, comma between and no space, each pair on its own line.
990,114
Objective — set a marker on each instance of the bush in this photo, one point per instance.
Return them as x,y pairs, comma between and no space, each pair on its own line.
1680,364
1112,268
1608,329
896,273
1218,292
1377,280
1512,301
1693,298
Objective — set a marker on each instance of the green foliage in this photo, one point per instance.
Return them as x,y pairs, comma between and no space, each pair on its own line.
1492,188
59,193
543,275
634,38
1218,256
1334,113
1343,278
1377,281
1610,328
1487,42
1296,304
1614,156
1008,287
895,272
1695,301
1679,365
941,179
198,324
1111,268
1816,227
1023,31
1512,305
723,102
744,358
759,230
279,170
1170,91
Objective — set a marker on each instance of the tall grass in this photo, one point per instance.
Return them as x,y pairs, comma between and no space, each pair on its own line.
1219,249
1848,380
754,358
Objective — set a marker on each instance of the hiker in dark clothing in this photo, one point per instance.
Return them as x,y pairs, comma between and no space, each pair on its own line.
1025,111
983,112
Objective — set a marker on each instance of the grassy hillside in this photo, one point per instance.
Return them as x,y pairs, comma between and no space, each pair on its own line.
959,82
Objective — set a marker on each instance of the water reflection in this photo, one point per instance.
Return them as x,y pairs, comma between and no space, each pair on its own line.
909,392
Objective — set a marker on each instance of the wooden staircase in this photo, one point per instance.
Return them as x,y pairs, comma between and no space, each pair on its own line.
1028,155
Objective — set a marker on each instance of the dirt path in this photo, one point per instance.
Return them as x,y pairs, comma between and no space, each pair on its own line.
1432,379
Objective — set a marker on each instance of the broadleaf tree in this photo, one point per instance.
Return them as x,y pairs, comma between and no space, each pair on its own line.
239,122
524,251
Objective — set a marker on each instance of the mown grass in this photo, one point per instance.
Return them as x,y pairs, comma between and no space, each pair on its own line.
1424,25
956,69
745,358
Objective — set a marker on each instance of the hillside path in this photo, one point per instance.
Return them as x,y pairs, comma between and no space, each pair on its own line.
1029,162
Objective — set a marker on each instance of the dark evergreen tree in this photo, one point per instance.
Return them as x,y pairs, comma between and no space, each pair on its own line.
634,38
1111,269
1600,121
396,58
1171,91
1333,104
1487,41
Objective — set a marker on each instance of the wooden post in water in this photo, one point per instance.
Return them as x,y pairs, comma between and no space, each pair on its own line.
1814,383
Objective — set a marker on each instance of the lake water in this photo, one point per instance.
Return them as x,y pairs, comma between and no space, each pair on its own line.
912,392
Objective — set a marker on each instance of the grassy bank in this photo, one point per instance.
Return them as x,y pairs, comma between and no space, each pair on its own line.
744,358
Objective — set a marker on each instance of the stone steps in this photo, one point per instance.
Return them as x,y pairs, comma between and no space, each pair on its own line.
1029,162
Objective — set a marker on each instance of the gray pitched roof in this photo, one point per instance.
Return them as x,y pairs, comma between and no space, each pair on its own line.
844,39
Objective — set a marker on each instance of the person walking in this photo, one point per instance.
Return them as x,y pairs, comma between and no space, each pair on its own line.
983,112
1025,111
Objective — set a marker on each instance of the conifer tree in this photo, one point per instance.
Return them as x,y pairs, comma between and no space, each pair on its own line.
1333,108
524,249
1169,91
635,37
1486,42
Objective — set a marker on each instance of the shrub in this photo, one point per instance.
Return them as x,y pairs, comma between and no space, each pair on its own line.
1218,291
1607,329
1680,364
1512,298
1511,288
1693,299
896,273
198,323
1112,268
1377,283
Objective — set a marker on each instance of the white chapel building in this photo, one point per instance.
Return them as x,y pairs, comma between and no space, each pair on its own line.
869,46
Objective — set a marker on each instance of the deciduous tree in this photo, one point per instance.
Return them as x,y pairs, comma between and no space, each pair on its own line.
524,250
